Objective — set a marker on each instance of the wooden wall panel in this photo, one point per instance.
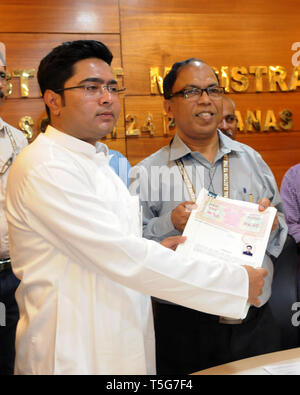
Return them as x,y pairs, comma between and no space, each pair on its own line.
157,34
60,16
140,148
13,109
254,7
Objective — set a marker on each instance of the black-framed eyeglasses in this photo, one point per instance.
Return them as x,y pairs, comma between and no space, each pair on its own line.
95,90
215,92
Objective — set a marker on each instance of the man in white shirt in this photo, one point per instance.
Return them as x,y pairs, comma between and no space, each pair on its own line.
11,143
86,273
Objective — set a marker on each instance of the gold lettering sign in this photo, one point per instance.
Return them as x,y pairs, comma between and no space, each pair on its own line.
148,126
240,81
117,71
156,80
224,78
24,75
238,78
240,123
258,71
270,121
26,125
131,129
253,120
8,85
277,75
286,121
295,80
168,124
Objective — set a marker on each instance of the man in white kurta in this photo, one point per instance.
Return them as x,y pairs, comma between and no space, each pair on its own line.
86,273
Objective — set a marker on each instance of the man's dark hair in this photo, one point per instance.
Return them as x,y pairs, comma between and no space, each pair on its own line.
57,67
171,77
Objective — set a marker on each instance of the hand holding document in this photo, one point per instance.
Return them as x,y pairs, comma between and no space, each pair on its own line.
227,230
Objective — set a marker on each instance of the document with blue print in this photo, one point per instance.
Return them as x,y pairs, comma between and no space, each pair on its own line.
227,230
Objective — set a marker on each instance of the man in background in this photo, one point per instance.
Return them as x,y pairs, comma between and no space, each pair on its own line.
11,143
228,124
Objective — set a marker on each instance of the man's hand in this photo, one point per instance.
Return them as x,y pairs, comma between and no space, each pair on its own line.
173,241
264,203
181,214
256,283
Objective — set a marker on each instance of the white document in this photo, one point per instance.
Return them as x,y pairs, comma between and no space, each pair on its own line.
223,229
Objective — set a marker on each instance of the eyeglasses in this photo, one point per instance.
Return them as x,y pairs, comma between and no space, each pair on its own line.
95,90
215,92
229,118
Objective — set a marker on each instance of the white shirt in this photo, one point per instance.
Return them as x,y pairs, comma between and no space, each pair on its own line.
85,274
7,152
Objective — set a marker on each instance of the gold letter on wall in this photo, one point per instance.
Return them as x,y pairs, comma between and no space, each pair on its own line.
295,81
286,121
258,71
24,75
277,74
270,121
25,124
240,123
156,81
253,120
224,78
239,74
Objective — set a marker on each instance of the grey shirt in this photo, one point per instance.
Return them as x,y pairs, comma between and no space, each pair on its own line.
158,182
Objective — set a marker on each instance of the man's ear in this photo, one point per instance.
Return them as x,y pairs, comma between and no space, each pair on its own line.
168,108
53,101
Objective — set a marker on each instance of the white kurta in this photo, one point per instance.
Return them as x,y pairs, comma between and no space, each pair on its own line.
85,273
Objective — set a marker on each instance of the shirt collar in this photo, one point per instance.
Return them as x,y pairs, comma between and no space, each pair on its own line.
76,145
178,149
